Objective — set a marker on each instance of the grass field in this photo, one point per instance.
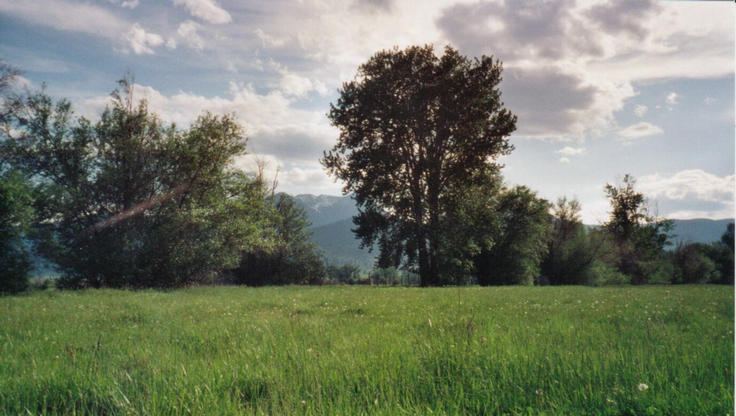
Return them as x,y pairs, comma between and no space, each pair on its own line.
367,350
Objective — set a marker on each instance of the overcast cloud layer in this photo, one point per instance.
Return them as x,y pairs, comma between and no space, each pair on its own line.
600,88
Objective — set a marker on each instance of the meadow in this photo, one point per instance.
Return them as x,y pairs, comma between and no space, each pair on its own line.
650,350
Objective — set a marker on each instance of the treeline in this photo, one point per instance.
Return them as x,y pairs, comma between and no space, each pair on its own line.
130,201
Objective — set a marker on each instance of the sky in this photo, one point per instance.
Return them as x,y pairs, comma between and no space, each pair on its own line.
601,89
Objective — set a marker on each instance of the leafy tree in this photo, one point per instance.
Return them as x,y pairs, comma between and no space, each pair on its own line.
16,199
291,259
693,265
414,129
130,202
727,239
639,237
521,242
16,213
722,255
572,251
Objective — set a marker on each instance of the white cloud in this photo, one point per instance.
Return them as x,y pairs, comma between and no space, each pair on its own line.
640,110
639,130
142,42
305,178
571,151
67,16
131,4
188,32
689,184
672,98
268,40
207,10
564,160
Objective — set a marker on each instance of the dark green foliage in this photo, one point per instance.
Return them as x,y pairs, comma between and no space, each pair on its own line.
693,265
572,251
130,202
640,239
521,242
16,213
727,239
291,259
414,130
721,254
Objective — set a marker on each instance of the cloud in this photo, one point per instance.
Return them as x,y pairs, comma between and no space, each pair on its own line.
305,178
142,42
86,18
188,32
295,85
571,151
267,39
640,110
672,98
131,4
207,10
67,16
564,160
628,17
273,125
689,184
639,130
602,49
548,101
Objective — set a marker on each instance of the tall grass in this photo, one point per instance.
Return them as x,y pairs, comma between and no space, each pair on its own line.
371,351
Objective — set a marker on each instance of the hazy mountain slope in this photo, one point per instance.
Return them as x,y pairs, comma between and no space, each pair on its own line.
340,245
699,230
325,209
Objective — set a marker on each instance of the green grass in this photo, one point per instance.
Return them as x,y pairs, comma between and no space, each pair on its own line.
372,351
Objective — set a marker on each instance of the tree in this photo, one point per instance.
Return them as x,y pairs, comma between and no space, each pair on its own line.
16,213
639,237
16,199
414,129
572,251
521,242
291,259
131,202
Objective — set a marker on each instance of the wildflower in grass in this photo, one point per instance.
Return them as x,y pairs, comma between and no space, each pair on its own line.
610,401
642,387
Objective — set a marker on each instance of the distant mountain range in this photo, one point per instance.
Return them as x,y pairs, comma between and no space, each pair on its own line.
331,218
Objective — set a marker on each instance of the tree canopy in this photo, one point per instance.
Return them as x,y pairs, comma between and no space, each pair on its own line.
129,201
415,129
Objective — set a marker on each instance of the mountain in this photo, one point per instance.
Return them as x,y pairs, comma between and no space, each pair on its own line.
699,230
325,209
340,245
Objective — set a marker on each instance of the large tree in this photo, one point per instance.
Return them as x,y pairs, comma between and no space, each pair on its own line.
130,201
415,129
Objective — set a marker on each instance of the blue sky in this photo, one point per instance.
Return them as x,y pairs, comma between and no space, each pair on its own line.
600,88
